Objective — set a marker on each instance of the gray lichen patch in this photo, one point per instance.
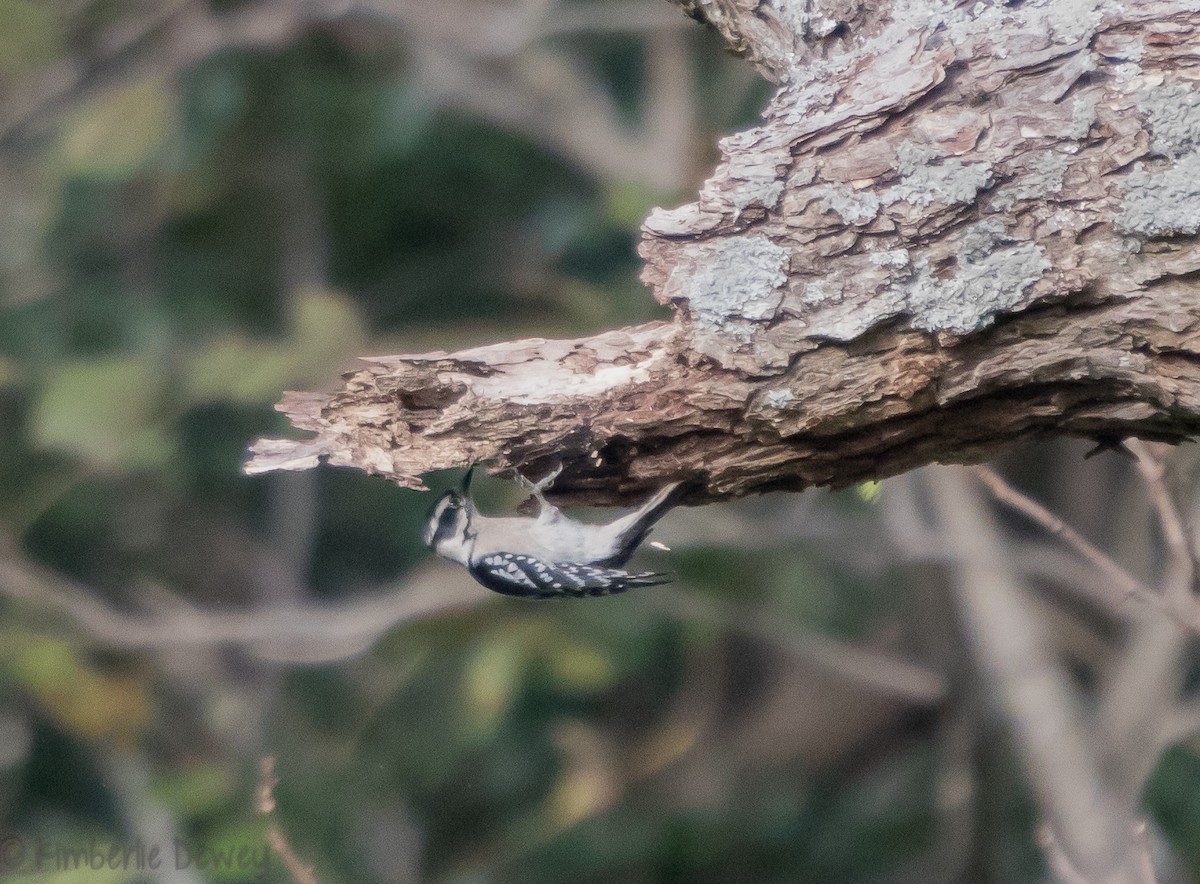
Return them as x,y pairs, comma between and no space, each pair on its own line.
911,156
738,332
1127,72
1083,115
821,292
1072,21
810,19
1042,177
893,258
762,191
980,240
1173,114
854,206
753,175
778,398
1163,202
923,183
731,279
1045,174
990,277
1068,22
811,89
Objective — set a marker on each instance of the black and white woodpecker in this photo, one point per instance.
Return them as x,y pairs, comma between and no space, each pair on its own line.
549,555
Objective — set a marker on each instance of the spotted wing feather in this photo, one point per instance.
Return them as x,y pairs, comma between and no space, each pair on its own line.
521,575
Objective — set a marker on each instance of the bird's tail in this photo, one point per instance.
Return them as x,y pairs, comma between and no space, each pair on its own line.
635,526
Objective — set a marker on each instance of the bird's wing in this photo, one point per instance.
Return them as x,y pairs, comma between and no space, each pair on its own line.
522,575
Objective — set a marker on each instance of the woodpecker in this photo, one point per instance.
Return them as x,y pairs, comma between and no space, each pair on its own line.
549,555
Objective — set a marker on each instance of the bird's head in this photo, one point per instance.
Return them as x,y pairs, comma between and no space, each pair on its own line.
448,528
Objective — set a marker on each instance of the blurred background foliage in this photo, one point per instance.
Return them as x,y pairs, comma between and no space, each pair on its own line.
207,202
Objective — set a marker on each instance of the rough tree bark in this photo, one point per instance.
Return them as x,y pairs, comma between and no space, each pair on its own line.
959,225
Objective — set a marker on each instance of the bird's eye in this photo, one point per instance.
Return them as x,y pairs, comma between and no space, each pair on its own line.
450,513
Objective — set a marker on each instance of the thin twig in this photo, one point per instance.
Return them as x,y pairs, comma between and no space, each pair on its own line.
1128,585
1180,578
1066,872
267,781
1143,849
1061,864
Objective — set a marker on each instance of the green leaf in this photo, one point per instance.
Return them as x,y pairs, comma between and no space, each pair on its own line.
868,491
491,680
626,203
30,35
115,133
102,410
197,790
580,668
236,369
236,852
83,700
326,331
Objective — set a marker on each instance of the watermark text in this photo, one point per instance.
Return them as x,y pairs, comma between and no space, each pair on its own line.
34,855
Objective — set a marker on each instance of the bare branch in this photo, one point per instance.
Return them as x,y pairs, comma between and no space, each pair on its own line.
300,632
1141,688
267,781
1067,873
487,57
312,633
1126,585
1060,863
1180,578
1144,851
1059,748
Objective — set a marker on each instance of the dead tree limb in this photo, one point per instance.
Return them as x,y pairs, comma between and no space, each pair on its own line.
959,225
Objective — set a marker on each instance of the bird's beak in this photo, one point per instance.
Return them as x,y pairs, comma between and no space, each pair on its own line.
466,480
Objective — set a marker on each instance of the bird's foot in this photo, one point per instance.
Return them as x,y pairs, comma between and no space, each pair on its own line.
536,488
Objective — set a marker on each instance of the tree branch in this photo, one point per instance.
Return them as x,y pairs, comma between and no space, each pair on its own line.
1124,585
1013,648
955,228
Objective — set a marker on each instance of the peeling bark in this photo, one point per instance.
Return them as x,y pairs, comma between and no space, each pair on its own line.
958,226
